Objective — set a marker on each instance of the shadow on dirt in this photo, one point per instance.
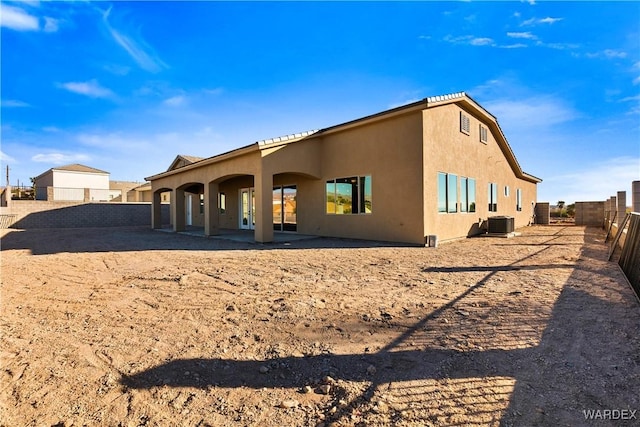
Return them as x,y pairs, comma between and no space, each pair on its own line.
124,239
554,379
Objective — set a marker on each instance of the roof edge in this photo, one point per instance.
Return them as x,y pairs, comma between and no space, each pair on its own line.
207,161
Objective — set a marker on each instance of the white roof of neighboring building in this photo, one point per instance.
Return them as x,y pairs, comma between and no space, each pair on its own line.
76,167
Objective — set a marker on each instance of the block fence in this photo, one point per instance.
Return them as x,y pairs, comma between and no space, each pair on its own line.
543,213
590,213
51,214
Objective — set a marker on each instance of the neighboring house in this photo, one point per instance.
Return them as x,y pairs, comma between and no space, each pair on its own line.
440,166
143,193
73,183
119,191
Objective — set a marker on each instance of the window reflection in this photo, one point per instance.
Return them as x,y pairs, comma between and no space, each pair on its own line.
352,195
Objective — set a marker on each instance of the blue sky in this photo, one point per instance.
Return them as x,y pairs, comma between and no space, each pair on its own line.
126,86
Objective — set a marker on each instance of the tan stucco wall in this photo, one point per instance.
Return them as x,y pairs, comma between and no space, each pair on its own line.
390,151
247,164
231,189
402,152
451,151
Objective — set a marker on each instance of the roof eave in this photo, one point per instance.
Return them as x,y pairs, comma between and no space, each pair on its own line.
208,161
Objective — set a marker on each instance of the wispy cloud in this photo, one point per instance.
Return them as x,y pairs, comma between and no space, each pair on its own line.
636,67
532,112
60,158
481,41
536,21
470,40
6,158
175,101
612,53
14,103
559,46
513,46
214,91
119,70
598,181
608,54
92,89
631,98
487,41
523,110
50,24
138,49
114,141
17,19
549,20
522,35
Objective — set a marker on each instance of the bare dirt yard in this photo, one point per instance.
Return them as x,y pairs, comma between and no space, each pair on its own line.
131,327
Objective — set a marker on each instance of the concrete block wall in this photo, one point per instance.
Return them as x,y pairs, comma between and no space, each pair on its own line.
621,206
590,213
51,214
543,213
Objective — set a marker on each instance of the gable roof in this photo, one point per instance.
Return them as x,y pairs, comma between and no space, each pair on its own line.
76,167
464,101
460,98
182,160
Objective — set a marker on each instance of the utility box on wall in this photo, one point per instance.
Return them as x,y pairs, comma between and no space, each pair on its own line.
500,224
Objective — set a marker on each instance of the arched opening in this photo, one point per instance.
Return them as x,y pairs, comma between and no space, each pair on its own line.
160,208
188,207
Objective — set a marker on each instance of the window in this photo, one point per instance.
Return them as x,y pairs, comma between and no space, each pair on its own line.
201,203
518,199
465,123
285,208
493,197
222,202
349,195
463,194
447,193
452,193
467,194
442,192
483,134
506,191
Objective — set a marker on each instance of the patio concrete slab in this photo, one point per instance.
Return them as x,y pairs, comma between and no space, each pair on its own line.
245,236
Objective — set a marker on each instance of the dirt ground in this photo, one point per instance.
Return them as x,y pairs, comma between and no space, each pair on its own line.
133,327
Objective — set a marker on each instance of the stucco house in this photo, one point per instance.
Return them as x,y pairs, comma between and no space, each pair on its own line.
74,182
440,166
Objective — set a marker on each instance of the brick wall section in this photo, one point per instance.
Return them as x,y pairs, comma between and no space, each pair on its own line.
590,213
51,214
543,213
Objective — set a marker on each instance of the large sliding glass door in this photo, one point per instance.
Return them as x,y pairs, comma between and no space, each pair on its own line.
285,208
